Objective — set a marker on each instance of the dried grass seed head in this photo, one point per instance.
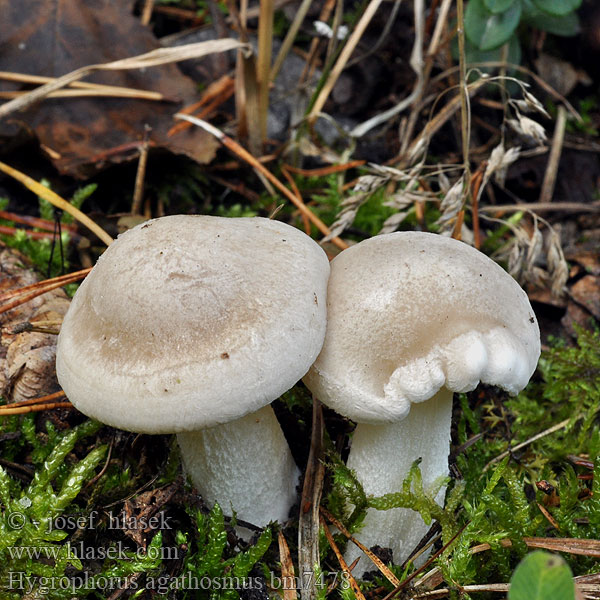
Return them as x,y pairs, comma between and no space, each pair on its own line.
410,313
191,321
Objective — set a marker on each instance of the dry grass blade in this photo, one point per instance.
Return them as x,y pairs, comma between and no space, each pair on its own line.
343,564
374,558
147,12
536,437
38,408
443,592
62,279
141,95
287,568
569,545
29,292
422,568
54,199
36,235
440,27
308,523
535,207
344,57
114,90
49,326
465,115
435,124
548,516
31,401
320,172
37,222
251,160
416,62
23,410
213,96
155,58
290,37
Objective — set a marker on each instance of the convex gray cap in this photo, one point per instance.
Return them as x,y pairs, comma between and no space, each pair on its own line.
187,322
410,313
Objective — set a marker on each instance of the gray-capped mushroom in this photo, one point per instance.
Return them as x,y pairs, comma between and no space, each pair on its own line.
193,325
412,318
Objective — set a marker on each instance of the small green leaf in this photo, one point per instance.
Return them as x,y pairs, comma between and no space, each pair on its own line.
541,575
488,30
558,8
474,55
566,25
498,6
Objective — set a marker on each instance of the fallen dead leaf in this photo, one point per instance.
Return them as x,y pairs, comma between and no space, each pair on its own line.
586,292
53,37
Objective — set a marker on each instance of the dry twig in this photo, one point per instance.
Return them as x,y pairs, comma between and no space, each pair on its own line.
308,525
154,58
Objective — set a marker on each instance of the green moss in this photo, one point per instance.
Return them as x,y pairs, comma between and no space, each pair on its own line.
208,559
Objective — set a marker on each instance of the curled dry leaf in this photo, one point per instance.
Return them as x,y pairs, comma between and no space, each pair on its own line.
27,357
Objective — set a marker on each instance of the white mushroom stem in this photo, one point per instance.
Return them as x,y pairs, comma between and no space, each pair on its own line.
244,465
382,455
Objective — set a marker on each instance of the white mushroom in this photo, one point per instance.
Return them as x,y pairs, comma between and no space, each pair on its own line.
412,318
193,325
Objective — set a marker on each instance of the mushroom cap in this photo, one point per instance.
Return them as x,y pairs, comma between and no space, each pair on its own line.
187,322
409,313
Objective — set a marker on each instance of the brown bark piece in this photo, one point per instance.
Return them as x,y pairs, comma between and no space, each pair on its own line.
54,37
